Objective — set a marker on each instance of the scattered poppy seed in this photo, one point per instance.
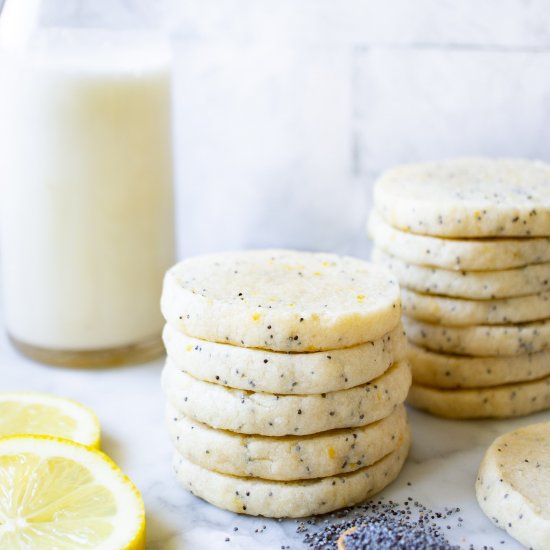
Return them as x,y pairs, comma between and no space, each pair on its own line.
381,526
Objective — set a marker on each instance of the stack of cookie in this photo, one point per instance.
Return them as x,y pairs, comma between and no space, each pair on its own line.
285,380
469,242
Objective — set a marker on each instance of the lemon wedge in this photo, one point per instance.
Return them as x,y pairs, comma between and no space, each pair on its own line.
43,414
55,493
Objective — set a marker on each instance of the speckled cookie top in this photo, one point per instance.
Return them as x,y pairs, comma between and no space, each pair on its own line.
523,458
288,281
281,299
470,197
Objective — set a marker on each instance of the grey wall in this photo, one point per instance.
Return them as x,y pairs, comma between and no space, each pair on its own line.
286,110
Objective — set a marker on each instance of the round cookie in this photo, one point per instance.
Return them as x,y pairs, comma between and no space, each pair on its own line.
281,300
286,458
276,415
292,499
478,285
444,371
460,311
480,340
286,373
513,484
497,402
341,542
469,255
468,197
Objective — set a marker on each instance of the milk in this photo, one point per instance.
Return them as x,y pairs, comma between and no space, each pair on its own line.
86,180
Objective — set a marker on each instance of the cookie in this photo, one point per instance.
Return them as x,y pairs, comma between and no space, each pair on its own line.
513,484
281,300
455,254
286,458
286,373
439,370
294,499
468,197
496,402
341,542
460,311
275,415
478,285
480,340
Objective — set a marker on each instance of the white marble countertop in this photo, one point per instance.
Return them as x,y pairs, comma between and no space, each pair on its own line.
441,468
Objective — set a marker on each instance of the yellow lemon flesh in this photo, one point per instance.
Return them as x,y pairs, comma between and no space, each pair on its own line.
55,493
43,414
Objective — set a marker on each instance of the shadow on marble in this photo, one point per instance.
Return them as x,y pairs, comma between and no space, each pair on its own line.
112,447
160,535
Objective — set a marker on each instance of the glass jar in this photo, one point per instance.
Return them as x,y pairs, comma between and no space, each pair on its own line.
87,227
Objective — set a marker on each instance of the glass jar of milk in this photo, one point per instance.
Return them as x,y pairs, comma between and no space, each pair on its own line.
86,206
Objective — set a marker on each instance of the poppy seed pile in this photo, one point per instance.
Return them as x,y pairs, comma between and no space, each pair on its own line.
385,526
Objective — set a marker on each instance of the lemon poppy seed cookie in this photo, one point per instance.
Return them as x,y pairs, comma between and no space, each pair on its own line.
469,197
286,458
480,340
466,254
461,311
281,300
430,368
468,240
259,497
285,373
513,484
495,402
343,538
285,380
275,415
480,285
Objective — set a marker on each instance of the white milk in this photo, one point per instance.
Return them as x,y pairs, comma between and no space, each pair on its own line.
86,207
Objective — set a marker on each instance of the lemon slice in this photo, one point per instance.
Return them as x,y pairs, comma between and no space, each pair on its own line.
55,493
42,414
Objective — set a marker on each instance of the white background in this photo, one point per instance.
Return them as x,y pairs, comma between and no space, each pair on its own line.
286,110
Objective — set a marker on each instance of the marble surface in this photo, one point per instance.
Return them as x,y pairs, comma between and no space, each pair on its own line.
441,468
